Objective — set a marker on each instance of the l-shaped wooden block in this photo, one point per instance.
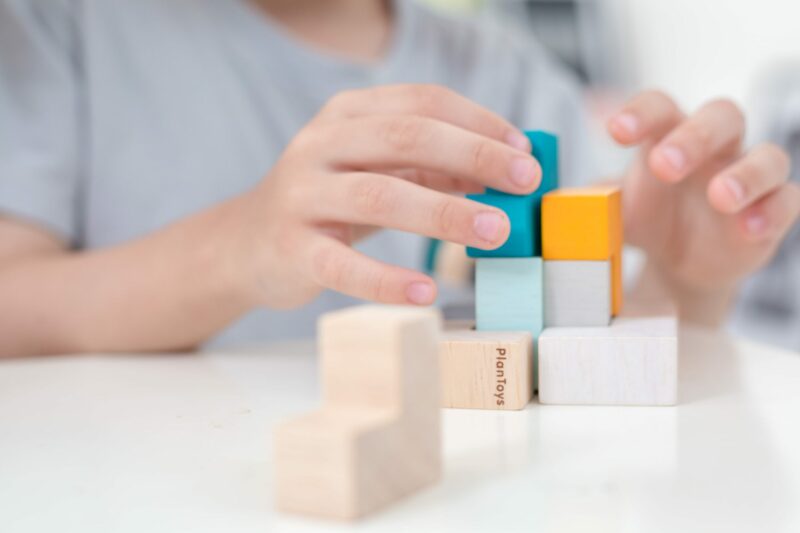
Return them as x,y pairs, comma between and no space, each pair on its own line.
634,361
377,437
486,369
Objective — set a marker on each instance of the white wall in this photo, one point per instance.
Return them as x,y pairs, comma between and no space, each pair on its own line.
697,49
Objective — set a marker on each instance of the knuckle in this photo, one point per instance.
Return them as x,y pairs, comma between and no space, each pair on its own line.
445,216
428,98
380,288
778,156
372,197
403,134
480,155
341,100
306,140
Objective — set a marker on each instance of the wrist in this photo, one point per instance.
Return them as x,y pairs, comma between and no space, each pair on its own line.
226,248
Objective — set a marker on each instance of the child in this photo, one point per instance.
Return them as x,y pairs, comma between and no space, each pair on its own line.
167,168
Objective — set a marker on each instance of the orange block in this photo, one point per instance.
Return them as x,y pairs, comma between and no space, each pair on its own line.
585,224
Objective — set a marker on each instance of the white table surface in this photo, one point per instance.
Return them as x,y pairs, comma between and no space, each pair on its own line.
181,443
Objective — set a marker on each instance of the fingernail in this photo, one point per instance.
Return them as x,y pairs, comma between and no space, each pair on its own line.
420,293
487,226
522,171
627,122
519,141
674,156
756,225
735,189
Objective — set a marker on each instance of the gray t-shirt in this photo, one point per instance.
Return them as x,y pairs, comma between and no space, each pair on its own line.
118,117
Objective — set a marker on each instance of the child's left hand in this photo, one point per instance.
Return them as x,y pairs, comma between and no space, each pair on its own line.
706,211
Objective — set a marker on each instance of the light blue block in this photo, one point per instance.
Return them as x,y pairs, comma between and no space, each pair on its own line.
509,296
523,240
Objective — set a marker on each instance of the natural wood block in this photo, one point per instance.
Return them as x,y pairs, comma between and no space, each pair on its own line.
577,293
377,437
486,370
380,356
508,294
585,224
452,266
344,463
634,361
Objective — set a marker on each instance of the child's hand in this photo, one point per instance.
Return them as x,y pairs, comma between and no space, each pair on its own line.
706,212
383,157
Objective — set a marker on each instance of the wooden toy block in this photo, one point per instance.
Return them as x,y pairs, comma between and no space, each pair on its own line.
577,293
634,361
377,437
486,370
508,294
545,150
452,266
523,239
344,463
585,224
524,212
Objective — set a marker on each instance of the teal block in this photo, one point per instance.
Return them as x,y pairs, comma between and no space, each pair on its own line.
525,237
509,296
523,240
545,150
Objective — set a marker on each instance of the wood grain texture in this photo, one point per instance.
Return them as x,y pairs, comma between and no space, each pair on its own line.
377,437
634,361
486,370
577,293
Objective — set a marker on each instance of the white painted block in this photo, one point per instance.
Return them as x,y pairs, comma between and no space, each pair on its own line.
577,293
634,361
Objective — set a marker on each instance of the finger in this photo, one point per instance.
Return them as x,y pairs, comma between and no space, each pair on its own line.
716,127
396,141
432,101
771,217
649,115
336,266
378,200
762,170
434,180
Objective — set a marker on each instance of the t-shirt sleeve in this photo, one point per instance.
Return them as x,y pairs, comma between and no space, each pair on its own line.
40,136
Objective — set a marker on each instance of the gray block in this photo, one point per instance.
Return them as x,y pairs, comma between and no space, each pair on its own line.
577,293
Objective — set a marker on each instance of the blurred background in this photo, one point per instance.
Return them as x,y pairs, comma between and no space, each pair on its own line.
694,50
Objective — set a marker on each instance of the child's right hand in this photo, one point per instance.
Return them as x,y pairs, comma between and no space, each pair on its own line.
378,158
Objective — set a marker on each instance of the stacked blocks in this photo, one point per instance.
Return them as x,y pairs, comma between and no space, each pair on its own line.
569,301
494,367
378,435
584,224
